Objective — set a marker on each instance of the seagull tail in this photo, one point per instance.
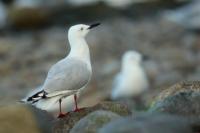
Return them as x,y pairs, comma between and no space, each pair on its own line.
34,98
24,100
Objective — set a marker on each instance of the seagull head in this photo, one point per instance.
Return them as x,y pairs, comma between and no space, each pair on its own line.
81,30
132,56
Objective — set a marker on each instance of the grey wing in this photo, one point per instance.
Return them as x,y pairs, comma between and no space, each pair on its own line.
69,75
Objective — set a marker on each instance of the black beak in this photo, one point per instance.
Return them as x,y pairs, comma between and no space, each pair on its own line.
93,25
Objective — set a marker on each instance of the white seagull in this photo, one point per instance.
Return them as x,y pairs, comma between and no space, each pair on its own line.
131,81
68,76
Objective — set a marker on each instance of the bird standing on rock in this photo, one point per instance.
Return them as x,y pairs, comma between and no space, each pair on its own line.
131,81
68,76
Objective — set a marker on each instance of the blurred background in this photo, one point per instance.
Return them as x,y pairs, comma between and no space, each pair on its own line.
33,36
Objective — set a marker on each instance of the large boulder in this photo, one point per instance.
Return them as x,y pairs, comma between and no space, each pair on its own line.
182,99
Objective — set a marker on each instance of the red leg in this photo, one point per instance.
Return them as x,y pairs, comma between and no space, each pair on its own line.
76,105
61,115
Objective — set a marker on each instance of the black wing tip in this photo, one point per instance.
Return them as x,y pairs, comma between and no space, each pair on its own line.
37,96
29,99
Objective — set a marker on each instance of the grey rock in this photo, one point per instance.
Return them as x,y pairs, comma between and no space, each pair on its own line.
94,121
181,99
148,123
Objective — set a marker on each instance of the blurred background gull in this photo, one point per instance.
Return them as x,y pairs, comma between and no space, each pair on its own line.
131,81
131,84
33,36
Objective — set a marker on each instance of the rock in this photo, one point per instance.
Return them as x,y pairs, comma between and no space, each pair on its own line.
151,123
64,125
181,99
21,118
117,108
94,121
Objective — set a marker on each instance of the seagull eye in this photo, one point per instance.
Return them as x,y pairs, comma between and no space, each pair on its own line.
81,28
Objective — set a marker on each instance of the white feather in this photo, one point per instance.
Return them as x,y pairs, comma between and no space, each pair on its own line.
132,80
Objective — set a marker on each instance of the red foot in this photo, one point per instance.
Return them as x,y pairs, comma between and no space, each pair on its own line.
61,115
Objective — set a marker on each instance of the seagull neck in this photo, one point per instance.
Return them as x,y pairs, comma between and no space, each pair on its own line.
129,66
79,49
